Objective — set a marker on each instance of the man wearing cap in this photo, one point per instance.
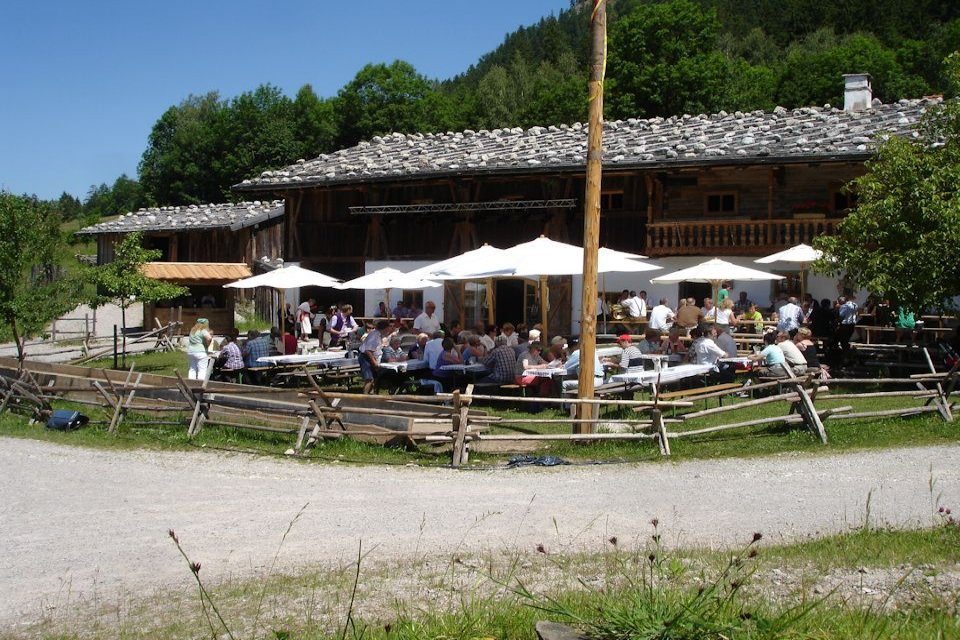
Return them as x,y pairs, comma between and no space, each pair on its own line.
630,352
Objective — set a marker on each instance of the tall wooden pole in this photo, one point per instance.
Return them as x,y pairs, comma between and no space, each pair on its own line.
591,215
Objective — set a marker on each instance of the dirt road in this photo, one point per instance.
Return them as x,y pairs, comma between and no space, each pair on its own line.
78,524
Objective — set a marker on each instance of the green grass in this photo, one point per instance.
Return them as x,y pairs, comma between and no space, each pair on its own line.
850,435
616,592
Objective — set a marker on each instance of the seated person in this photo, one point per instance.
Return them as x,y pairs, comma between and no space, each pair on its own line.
230,361
726,342
392,352
703,349
416,351
752,319
257,346
651,342
531,359
630,352
448,355
572,365
791,353
558,350
774,363
501,361
674,343
474,351
808,347
433,349
511,332
276,343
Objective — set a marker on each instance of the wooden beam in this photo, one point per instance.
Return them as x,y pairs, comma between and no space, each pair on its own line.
591,215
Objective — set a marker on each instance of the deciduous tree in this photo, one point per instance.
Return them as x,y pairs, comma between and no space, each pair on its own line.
123,282
901,241
32,294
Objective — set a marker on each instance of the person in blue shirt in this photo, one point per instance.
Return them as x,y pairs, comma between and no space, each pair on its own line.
772,357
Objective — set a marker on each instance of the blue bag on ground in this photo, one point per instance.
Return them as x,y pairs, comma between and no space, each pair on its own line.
66,420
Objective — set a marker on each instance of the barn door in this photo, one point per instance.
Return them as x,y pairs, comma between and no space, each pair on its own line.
561,288
452,301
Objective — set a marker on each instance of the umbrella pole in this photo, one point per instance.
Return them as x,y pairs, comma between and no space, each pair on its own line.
490,311
803,287
544,300
603,306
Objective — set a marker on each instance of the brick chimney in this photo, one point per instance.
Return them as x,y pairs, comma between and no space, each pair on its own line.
857,92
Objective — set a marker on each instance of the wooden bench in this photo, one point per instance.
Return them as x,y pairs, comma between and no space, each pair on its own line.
703,393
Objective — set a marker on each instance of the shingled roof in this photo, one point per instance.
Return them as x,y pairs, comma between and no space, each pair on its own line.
756,137
234,216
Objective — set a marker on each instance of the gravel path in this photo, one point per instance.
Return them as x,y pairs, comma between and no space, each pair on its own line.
78,524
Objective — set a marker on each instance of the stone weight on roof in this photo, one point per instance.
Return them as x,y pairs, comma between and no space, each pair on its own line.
184,218
783,135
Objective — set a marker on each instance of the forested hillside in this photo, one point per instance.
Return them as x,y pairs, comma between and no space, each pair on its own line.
665,57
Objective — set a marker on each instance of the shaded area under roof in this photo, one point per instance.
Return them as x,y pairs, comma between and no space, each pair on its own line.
233,216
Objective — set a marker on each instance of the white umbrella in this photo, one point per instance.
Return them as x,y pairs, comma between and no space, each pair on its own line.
465,261
291,277
715,272
387,279
802,253
544,257
441,271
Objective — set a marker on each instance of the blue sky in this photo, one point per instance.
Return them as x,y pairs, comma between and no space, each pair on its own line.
81,83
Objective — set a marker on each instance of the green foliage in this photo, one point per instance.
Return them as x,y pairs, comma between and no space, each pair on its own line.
122,281
666,57
901,240
125,194
31,293
385,98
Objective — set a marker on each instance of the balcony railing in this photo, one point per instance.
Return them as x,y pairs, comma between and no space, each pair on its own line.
732,237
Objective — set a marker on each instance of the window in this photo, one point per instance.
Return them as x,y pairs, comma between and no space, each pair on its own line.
843,200
611,201
721,203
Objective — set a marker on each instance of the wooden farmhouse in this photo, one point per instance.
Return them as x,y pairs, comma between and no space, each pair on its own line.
202,248
679,190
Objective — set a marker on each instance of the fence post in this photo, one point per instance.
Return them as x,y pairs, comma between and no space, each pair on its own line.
115,366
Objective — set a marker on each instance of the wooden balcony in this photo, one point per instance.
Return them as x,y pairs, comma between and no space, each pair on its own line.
732,237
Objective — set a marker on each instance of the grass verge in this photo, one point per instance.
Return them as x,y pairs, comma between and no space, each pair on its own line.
836,587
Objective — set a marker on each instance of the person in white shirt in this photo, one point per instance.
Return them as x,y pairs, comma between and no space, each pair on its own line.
642,303
709,311
704,349
632,305
433,349
791,316
427,322
661,316
305,318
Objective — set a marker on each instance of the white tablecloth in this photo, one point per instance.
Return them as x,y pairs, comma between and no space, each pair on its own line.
545,373
672,374
408,365
322,357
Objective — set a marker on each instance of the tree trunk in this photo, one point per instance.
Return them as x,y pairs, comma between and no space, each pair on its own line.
20,346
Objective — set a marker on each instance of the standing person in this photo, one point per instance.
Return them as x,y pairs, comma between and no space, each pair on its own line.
790,317
370,352
427,322
305,318
726,318
603,310
632,304
822,318
342,324
661,316
847,312
197,344
642,305
724,293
